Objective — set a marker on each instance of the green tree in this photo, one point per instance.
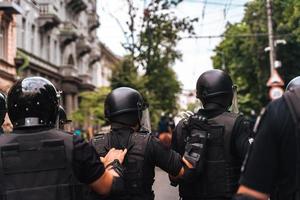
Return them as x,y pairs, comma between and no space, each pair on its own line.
152,47
91,108
243,50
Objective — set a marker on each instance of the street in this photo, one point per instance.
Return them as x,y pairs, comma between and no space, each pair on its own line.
162,188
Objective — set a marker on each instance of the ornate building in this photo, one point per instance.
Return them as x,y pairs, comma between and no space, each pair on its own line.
8,11
56,39
108,62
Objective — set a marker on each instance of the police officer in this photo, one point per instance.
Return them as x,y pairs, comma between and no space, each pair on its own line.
272,167
2,110
40,162
127,113
213,138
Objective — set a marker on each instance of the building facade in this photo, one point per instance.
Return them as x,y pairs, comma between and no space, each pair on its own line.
108,62
56,39
8,12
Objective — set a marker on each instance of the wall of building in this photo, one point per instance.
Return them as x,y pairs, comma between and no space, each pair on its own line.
57,37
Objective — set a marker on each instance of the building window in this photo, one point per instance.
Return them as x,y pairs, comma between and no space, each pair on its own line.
48,48
32,38
2,46
55,53
23,32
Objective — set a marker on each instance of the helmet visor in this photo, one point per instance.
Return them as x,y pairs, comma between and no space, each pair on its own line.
234,106
145,121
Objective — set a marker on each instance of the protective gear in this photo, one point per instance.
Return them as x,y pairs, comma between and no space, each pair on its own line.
2,108
145,123
219,169
62,117
38,166
235,105
215,87
31,102
195,148
125,105
295,82
134,162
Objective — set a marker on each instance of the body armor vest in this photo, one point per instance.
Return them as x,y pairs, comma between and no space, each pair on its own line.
38,166
137,186
220,170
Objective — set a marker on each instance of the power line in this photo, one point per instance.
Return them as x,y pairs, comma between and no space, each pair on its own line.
213,3
232,36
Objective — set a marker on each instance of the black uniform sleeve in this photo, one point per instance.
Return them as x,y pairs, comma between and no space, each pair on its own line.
86,164
166,159
177,138
240,137
261,166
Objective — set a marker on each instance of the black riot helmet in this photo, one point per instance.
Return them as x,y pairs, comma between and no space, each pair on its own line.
33,101
215,87
2,108
124,105
295,82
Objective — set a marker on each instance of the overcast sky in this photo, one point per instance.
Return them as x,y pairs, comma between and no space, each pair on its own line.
213,17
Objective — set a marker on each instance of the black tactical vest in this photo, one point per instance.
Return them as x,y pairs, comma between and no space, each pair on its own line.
38,166
221,170
137,186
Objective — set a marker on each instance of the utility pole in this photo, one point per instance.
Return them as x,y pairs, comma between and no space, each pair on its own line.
275,82
271,38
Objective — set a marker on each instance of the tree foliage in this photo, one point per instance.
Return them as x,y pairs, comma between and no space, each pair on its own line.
152,52
245,58
91,107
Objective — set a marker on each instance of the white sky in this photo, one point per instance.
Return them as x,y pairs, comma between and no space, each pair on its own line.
196,52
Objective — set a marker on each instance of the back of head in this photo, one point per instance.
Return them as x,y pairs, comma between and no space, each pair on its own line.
2,108
32,102
215,87
295,82
124,105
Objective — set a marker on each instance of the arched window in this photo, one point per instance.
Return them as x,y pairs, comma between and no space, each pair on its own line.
71,60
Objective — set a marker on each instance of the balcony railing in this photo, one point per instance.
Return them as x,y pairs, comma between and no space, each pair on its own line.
10,7
49,17
83,46
68,33
77,6
95,56
93,21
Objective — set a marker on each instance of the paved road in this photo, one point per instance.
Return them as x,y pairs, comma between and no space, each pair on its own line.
162,188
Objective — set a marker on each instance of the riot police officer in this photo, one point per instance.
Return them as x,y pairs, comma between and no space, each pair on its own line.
126,111
40,162
213,138
272,166
2,110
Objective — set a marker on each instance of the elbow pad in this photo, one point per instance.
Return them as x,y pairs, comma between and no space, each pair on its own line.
243,197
